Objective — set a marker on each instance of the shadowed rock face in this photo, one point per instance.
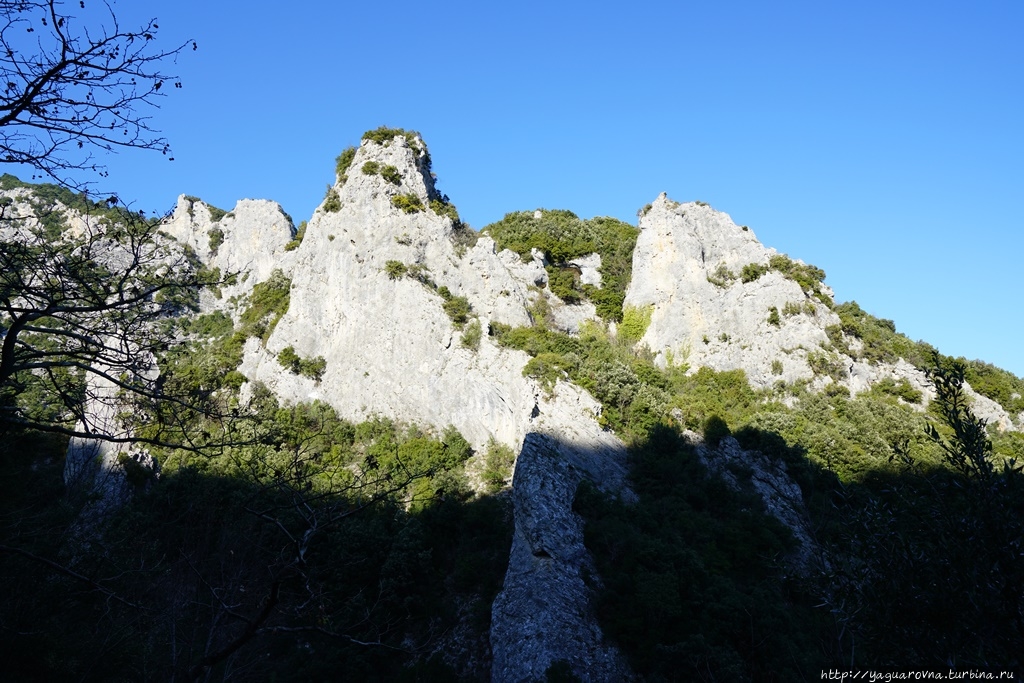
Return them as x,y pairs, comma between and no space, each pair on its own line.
544,612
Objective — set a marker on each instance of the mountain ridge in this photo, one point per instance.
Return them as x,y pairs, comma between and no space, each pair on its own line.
385,309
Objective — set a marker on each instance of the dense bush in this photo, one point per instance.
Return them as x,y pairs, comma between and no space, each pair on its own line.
457,307
409,202
753,271
498,461
722,276
563,236
332,202
635,321
384,135
216,236
391,174
471,335
810,278
312,368
395,269
266,306
342,164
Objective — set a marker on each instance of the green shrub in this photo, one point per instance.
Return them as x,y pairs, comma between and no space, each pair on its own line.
498,463
880,341
268,302
332,202
547,369
563,236
826,364
395,269
635,321
391,174
409,202
384,135
564,283
371,168
443,208
342,164
1001,386
300,232
312,368
773,317
457,307
463,237
777,368
216,236
902,389
289,359
471,336
722,277
808,277
215,213
752,271
792,308
836,389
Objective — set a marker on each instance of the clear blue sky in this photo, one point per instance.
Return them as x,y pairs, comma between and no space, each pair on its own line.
880,141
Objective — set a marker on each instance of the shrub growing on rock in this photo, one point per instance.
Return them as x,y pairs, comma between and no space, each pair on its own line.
471,336
395,269
342,163
409,202
391,174
332,202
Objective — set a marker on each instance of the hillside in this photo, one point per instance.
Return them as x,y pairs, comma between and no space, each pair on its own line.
382,445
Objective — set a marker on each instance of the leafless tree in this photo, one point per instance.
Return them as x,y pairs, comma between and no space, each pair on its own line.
77,83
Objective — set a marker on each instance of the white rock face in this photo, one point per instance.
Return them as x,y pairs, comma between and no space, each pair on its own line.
589,266
723,327
254,236
390,347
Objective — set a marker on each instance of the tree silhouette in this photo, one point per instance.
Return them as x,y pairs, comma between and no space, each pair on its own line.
73,84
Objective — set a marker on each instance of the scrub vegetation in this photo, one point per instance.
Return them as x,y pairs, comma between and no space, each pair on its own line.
562,236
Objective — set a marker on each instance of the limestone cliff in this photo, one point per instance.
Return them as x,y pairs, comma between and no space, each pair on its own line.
688,266
719,298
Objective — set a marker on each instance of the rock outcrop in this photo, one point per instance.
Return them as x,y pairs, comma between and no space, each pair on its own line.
246,244
687,267
543,613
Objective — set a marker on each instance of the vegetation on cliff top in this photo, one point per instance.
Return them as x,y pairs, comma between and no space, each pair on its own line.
562,236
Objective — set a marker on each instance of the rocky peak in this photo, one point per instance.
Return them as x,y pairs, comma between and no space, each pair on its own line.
717,300
249,241
384,168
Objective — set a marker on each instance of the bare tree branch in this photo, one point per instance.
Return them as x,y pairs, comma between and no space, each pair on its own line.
77,83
